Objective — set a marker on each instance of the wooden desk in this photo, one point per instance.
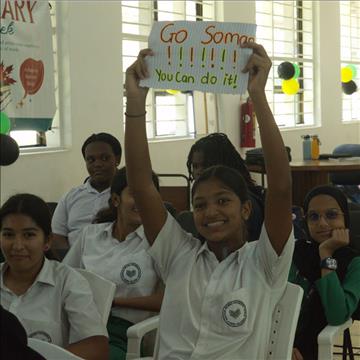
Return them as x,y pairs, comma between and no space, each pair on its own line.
311,173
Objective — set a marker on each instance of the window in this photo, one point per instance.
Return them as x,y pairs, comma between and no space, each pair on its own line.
51,138
285,29
350,54
169,113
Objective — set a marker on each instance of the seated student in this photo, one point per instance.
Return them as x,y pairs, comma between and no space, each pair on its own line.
53,302
216,149
325,267
220,295
116,248
76,209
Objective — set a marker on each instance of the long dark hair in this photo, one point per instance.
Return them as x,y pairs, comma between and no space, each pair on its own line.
118,184
218,150
32,206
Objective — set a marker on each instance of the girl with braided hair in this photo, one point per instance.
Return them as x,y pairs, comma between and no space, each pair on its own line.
217,149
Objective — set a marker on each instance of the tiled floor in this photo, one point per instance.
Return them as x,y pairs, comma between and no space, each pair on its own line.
355,338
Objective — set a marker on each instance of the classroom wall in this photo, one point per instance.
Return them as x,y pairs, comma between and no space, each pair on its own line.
93,98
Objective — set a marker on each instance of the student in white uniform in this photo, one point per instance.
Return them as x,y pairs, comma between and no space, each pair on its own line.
77,208
53,302
116,248
221,292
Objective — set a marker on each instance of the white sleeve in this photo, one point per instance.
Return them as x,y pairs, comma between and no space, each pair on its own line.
276,268
59,222
82,313
171,243
73,257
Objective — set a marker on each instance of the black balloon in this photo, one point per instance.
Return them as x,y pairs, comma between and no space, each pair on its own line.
349,87
286,70
9,150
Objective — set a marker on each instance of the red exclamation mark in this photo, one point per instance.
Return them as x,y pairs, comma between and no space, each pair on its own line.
234,58
212,57
169,55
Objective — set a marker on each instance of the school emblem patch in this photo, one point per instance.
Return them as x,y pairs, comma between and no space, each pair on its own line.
234,313
130,273
41,335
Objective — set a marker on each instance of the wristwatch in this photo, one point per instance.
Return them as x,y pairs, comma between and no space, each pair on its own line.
328,263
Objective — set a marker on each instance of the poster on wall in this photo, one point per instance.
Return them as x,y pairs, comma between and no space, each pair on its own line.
27,93
204,56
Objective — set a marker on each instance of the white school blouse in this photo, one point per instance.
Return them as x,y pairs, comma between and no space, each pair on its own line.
126,263
78,208
58,307
212,309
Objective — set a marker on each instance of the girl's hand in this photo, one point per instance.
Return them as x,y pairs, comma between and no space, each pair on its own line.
258,66
339,238
136,72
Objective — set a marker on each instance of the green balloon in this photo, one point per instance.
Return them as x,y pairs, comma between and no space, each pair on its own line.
352,67
4,123
297,71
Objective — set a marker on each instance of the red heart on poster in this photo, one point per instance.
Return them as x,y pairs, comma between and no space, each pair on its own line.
31,75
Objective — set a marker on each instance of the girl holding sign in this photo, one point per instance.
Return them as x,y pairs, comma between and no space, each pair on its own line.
226,288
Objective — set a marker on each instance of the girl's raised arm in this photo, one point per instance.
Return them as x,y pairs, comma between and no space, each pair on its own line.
138,164
278,201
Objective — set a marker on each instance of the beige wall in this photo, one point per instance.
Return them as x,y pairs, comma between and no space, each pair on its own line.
93,103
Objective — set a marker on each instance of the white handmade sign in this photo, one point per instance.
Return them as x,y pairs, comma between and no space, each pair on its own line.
203,56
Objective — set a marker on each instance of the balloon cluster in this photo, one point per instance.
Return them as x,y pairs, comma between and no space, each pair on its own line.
289,72
348,73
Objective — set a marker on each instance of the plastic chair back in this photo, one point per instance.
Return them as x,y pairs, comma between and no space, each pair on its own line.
284,322
135,334
51,351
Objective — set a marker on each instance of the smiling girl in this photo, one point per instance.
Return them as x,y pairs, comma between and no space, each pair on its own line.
116,248
53,302
220,295
326,267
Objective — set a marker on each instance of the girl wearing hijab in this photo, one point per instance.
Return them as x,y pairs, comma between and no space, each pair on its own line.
326,267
